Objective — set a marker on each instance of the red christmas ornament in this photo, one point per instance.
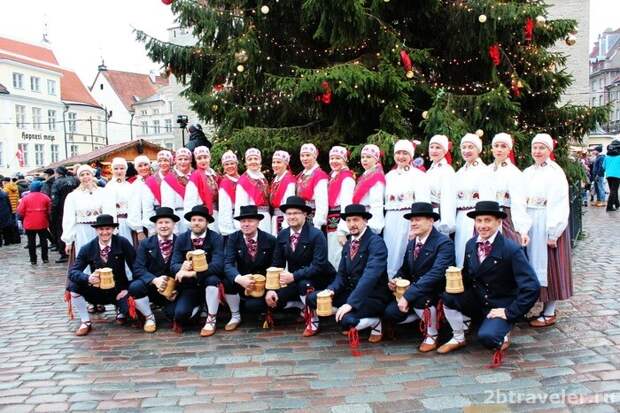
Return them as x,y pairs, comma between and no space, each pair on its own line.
167,2
218,87
515,86
406,62
326,97
528,30
494,54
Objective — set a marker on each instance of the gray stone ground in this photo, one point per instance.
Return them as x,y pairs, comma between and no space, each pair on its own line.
572,366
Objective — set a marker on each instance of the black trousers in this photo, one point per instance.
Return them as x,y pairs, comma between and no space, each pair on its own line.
372,307
291,292
32,244
612,202
393,313
94,295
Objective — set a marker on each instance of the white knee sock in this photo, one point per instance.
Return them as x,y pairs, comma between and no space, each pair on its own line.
431,330
144,306
81,307
314,325
455,318
303,299
212,294
549,309
233,301
367,322
410,319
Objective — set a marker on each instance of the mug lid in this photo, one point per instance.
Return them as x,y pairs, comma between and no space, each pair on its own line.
323,293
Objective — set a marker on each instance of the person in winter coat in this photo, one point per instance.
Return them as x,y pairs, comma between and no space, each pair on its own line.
6,217
50,177
598,176
612,172
34,209
64,184
11,232
197,138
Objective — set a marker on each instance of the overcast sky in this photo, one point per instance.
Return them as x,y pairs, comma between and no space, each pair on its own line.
82,31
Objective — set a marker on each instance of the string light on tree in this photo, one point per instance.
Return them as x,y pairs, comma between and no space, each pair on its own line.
264,9
540,21
482,18
571,39
240,68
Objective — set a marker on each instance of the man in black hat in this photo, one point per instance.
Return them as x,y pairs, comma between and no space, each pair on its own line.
152,268
192,283
303,250
427,257
500,285
360,287
248,251
107,250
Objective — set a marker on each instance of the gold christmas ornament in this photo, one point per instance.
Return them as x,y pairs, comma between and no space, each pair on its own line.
214,107
571,39
425,114
241,56
480,133
482,18
409,74
240,68
264,9
540,21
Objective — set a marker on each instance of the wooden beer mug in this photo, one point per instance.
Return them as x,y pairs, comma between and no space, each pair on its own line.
401,286
324,303
106,278
198,259
259,286
273,278
171,286
454,281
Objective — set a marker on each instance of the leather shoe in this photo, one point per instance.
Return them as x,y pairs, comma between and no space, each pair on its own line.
84,329
449,347
150,326
545,322
309,332
232,325
206,333
375,338
426,347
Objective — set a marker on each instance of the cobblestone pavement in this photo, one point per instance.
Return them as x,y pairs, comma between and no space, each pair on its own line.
43,367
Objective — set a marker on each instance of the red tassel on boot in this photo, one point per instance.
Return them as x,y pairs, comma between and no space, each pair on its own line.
425,322
131,303
268,323
497,360
354,342
69,306
441,316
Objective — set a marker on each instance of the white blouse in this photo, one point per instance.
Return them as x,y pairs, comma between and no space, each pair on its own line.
472,184
509,189
83,207
225,221
344,198
404,186
441,177
120,193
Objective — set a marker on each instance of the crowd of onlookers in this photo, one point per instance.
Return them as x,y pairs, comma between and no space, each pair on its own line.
602,172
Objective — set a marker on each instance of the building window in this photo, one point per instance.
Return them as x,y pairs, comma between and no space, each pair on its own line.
51,120
35,84
170,146
155,111
168,125
72,116
54,152
145,127
18,81
170,107
74,150
143,112
51,87
36,118
38,154
156,128
98,126
20,116
23,147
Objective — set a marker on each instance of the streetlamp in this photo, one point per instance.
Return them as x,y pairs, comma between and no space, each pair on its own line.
182,122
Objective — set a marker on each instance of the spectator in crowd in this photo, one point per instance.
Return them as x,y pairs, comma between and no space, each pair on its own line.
6,217
64,184
9,186
49,177
612,172
598,175
34,209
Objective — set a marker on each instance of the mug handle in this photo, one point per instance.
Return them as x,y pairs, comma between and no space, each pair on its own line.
188,256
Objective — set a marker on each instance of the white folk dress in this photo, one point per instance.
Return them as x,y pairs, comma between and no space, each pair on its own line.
172,199
278,222
344,198
121,193
403,187
258,180
226,207
373,201
441,177
548,207
192,198
472,185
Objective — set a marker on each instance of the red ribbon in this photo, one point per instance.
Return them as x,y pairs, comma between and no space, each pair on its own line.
494,54
528,30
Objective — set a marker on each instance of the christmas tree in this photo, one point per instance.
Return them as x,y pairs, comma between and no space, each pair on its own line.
276,73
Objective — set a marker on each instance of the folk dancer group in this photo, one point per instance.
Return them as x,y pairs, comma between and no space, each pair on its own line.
332,235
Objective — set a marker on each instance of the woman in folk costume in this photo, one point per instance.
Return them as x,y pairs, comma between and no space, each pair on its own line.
134,211
203,185
120,191
441,177
340,194
312,185
82,207
370,187
174,184
151,190
472,185
253,188
549,248
509,189
404,185
282,186
226,194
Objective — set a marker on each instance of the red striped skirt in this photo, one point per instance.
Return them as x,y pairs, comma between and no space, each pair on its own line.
508,228
559,271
